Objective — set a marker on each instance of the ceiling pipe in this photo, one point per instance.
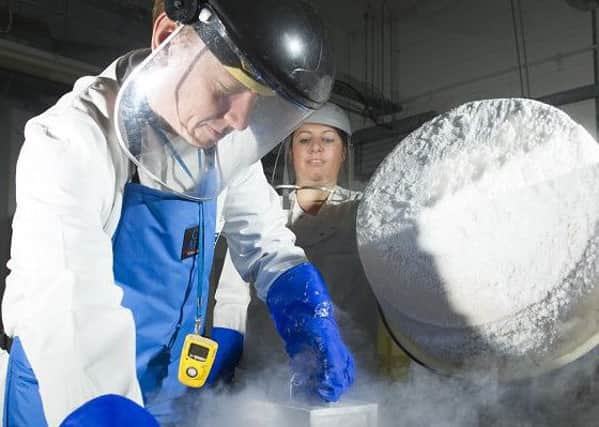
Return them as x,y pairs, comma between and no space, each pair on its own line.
590,6
595,67
395,128
39,63
514,9
382,63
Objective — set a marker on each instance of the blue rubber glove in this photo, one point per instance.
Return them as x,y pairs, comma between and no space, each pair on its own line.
230,347
110,410
303,314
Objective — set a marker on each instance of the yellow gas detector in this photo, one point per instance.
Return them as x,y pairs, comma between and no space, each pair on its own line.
197,358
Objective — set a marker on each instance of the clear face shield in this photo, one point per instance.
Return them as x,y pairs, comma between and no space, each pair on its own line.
195,112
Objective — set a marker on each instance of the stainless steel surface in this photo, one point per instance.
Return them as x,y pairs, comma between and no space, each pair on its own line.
295,414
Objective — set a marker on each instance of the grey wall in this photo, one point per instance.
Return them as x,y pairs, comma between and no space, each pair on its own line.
93,31
433,55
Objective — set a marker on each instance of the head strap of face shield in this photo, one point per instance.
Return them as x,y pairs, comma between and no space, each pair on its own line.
214,35
243,78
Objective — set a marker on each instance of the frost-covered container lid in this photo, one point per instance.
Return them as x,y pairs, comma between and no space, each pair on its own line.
478,234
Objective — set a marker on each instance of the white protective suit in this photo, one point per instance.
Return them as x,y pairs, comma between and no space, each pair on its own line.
61,299
329,241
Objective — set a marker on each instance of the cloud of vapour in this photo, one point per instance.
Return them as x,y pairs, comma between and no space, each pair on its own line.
564,397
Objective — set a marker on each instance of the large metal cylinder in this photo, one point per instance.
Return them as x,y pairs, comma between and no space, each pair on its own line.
479,237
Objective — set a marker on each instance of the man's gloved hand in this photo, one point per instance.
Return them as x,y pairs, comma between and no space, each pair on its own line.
303,314
110,410
230,347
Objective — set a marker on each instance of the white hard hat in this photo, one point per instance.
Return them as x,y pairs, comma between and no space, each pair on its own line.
331,115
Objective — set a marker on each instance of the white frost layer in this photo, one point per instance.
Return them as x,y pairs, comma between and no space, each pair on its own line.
476,220
499,253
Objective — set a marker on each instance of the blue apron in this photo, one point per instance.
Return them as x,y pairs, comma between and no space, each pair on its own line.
163,249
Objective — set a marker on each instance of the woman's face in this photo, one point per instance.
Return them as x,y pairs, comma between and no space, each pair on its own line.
318,153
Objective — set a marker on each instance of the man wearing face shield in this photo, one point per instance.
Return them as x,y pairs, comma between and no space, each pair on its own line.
123,186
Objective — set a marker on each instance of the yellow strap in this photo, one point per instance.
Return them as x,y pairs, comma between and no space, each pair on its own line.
243,78
394,363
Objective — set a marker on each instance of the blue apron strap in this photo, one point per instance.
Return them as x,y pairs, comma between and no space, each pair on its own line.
167,142
202,284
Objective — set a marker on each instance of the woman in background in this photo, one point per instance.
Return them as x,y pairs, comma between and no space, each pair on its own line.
321,213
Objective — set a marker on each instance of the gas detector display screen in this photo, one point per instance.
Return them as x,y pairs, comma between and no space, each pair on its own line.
198,352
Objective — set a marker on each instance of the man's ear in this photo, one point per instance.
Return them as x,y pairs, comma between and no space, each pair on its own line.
163,27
